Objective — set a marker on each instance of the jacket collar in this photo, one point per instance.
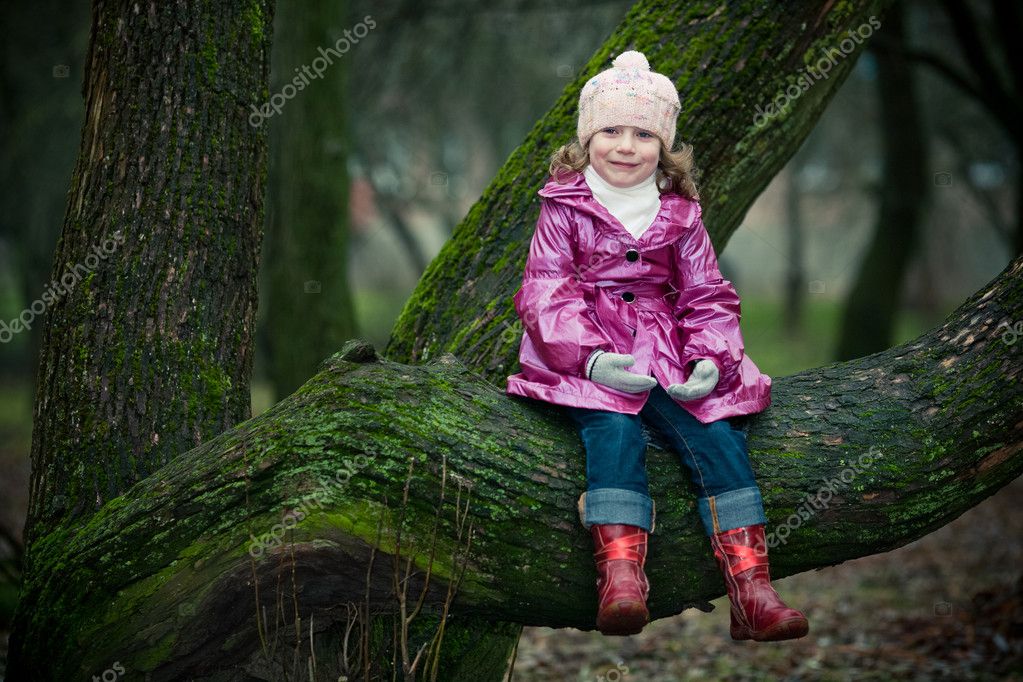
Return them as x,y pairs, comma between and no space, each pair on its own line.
677,215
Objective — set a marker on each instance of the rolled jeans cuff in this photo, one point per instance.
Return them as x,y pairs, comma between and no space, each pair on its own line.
732,509
616,505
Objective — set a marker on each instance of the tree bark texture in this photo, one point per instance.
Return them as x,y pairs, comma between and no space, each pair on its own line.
149,353
147,345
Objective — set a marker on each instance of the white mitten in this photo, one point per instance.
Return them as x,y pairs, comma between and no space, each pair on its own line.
701,382
609,369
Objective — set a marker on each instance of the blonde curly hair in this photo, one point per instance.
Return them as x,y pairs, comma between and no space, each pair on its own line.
676,170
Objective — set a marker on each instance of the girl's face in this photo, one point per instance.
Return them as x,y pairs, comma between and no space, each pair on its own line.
624,155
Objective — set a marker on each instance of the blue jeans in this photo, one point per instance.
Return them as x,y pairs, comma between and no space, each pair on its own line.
714,454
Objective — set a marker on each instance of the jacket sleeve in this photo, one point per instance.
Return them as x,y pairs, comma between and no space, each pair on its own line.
708,307
550,302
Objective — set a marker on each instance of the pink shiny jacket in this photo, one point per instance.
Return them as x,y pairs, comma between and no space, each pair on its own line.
588,283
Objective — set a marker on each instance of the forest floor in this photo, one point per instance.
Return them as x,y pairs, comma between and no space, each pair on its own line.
946,607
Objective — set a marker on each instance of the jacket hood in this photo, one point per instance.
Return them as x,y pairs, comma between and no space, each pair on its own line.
677,215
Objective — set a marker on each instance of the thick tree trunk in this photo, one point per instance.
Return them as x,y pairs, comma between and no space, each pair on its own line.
871,307
147,351
225,562
146,356
310,311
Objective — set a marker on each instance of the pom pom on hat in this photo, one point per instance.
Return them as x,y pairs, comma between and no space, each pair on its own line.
631,60
629,93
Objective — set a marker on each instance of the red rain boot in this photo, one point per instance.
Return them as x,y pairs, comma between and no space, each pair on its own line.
758,612
620,552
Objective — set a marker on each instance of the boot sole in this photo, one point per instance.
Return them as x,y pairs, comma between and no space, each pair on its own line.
793,628
623,618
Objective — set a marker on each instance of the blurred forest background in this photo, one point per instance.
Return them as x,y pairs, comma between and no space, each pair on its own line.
902,202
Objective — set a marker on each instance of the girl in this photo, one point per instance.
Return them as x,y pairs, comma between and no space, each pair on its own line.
621,274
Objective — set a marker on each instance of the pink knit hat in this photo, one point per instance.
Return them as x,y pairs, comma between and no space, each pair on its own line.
629,94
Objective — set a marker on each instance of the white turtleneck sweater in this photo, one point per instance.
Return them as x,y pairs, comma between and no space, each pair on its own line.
635,207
